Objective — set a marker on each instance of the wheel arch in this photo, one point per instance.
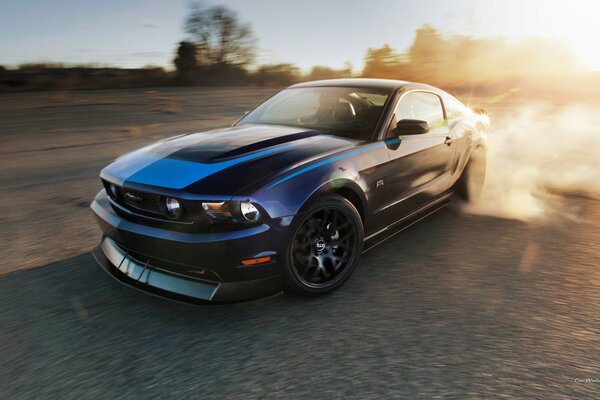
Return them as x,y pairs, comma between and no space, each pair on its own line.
352,196
346,188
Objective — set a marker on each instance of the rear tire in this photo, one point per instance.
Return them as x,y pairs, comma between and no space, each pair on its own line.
325,248
470,184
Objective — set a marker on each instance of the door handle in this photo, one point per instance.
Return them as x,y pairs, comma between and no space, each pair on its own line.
449,141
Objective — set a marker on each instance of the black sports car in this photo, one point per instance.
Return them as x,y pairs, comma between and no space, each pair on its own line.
291,195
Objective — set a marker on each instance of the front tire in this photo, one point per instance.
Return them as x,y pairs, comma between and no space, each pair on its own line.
325,247
470,184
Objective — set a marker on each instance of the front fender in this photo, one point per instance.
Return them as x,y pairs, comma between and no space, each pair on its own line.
288,198
285,195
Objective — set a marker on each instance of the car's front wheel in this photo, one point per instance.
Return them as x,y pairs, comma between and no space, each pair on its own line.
325,247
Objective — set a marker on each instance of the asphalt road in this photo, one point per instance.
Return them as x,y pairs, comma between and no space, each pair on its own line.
457,306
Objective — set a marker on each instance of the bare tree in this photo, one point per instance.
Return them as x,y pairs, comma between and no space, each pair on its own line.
219,37
185,61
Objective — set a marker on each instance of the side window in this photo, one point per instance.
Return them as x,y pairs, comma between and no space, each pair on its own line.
419,105
428,107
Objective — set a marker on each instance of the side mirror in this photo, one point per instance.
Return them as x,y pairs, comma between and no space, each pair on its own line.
411,127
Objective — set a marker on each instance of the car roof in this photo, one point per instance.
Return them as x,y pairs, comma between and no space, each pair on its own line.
355,82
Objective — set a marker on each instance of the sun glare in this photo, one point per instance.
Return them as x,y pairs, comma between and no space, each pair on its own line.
575,23
579,25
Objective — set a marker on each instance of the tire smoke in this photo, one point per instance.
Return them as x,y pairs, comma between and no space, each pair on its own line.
537,155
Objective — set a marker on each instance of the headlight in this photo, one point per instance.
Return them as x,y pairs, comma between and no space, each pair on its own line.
218,211
114,192
231,211
172,208
249,212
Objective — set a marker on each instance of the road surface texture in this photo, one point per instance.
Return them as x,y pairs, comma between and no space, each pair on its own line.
458,306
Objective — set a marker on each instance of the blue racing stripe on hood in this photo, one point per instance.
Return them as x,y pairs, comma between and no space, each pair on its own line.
171,173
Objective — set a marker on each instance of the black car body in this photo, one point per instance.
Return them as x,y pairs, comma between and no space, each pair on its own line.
290,195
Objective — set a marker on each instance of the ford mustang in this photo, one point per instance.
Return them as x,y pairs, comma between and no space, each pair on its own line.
291,195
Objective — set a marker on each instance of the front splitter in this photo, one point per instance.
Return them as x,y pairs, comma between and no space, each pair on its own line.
131,272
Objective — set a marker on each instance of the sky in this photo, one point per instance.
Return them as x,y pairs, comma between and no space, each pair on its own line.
136,33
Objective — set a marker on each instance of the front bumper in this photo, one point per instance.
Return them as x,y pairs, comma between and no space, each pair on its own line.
190,266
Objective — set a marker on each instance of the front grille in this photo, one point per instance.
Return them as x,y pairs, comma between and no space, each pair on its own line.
135,199
143,201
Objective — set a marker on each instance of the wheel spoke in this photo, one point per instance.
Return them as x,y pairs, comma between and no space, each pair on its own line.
316,272
345,226
332,226
342,242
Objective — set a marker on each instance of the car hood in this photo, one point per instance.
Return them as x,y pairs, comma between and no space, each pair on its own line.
222,161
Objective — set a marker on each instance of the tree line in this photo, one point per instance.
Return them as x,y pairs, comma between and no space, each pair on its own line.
221,50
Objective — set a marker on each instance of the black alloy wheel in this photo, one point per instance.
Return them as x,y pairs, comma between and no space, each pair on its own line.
325,248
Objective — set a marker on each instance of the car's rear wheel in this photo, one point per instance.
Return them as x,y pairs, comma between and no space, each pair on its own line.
470,184
325,247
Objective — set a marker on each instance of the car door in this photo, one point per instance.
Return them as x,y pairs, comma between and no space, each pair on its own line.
419,167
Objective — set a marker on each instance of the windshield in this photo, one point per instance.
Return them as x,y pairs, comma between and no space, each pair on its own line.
343,111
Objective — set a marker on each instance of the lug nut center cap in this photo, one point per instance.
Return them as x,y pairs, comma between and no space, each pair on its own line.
320,244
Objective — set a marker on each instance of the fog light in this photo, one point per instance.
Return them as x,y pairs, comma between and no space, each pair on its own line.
172,207
249,212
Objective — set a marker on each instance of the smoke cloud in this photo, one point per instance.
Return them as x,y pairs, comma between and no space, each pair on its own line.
537,155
